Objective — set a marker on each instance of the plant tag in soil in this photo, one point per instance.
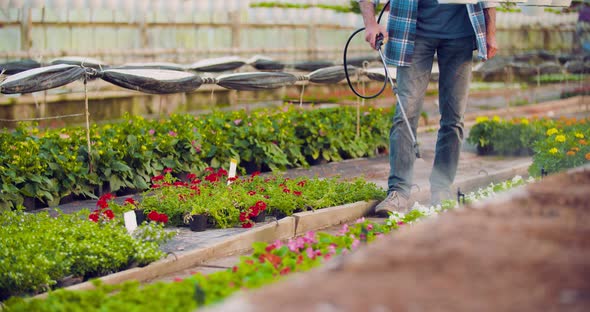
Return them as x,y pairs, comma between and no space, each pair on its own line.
233,165
130,221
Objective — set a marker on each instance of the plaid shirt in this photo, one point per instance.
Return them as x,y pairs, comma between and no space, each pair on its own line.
401,27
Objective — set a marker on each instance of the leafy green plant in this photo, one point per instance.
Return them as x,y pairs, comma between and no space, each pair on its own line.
38,250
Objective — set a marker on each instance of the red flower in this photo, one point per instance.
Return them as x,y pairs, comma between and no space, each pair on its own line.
179,183
163,218
302,183
157,178
154,216
232,179
196,181
130,201
247,225
297,193
286,190
286,271
109,214
178,279
255,174
283,185
273,259
107,196
209,169
249,262
222,172
252,193
191,176
167,170
270,248
243,217
102,204
93,216
260,205
155,186
234,269
212,178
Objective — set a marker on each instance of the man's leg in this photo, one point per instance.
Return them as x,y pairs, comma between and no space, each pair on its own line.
412,82
455,63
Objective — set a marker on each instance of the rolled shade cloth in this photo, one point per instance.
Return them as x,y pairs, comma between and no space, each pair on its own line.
313,65
255,81
15,67
80,61
218,64
155,65
42,78
379,73
333,74
156,81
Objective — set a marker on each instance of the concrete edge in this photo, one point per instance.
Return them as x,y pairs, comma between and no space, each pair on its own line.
326,217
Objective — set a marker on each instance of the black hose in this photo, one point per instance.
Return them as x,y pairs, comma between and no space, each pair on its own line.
346,63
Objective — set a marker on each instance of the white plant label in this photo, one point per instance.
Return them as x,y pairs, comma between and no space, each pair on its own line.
130,221
233,165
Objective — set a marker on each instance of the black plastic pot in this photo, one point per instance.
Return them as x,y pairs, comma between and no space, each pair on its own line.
198,223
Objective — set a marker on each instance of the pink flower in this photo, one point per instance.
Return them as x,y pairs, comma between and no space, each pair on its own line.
152,131
171,133
369,227
344,229
355,244
361,220
310,253
309,237
292,245
332,249
237,122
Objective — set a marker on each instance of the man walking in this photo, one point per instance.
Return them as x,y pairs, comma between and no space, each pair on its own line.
416,31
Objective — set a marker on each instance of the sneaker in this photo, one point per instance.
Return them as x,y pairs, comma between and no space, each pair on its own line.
393,202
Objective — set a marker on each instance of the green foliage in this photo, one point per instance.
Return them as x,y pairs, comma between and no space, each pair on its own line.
563,146
555,145
51,164
37,250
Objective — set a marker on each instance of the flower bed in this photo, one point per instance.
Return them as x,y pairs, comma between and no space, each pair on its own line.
239,203
49,165
37,251
555,144
267,263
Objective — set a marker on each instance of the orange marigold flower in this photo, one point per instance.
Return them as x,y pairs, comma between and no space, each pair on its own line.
571,153
587,156
583,142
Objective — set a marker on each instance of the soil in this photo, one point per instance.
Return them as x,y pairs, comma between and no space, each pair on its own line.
525,251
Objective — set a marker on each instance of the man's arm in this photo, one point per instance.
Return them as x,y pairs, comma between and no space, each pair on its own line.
490,17
372,28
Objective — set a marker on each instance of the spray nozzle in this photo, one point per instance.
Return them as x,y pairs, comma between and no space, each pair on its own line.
379,41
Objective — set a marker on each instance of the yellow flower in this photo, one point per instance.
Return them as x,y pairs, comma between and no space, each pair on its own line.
496,118
143,148
560,138
481,119
553,151
552,131
524,121
579,135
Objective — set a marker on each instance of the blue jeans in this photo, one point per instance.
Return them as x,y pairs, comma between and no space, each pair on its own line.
455,62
